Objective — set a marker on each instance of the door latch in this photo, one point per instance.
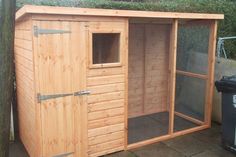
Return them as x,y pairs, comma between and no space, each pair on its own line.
54,96
84,92
64,155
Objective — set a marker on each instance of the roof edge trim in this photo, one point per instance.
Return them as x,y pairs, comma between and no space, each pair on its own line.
32,9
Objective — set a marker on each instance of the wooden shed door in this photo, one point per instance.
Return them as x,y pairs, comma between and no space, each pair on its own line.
60,72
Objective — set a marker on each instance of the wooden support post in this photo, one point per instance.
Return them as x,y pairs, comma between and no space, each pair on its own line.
211,70
149,141
191,130
126,56
7,27
144,69
191,119
172,68
190,74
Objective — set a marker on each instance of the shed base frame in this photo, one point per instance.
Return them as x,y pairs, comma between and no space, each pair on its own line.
166,137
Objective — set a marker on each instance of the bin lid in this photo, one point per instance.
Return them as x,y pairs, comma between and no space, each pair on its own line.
227,84
229,78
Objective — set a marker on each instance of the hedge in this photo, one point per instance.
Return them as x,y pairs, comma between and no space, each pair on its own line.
227,27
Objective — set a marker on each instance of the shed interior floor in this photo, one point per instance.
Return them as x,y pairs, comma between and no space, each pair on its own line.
154,125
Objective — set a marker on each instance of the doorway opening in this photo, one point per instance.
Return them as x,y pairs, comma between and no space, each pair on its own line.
150,114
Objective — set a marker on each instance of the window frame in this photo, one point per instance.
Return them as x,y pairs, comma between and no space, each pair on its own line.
105,65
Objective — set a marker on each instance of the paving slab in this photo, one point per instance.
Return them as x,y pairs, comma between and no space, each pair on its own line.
144,128
182,124
157,150
209,136
205,143
215,153
162,117
122,154
17,150
187,145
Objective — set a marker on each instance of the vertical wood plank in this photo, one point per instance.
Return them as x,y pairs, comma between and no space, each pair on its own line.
26,89
211,71
83,85
144,68
135,69
148,68
157,38
78,67
59,69
172,75
126,58
36,82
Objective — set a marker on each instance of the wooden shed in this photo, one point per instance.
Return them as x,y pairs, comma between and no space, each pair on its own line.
95,81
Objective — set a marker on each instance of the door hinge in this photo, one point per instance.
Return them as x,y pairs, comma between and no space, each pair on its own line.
64,155
53,96
38,31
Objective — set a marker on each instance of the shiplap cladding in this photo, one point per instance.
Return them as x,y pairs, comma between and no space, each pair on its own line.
59,70
106,104
148,68
24,65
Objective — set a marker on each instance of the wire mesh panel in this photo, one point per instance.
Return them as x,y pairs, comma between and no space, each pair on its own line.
192,69
189,102
192,51
190,96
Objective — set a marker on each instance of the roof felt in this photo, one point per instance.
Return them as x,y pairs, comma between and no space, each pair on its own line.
199,6
52,10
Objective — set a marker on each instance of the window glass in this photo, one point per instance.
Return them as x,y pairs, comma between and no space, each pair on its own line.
106,48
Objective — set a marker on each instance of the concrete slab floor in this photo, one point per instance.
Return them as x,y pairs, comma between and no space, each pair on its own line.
17,150
206,143
141,128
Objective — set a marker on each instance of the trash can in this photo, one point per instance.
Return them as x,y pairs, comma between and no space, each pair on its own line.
227,85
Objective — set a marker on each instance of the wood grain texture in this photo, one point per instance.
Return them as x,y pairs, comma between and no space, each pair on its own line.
60,69
211,70
136,70
29,9
156,68
95,124
190,74
191,119
106,103
172,74
24,67
82,146
148,68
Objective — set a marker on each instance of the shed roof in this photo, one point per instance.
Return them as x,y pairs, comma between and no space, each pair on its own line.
51,10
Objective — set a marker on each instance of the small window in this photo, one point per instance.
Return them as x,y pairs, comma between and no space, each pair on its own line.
106,47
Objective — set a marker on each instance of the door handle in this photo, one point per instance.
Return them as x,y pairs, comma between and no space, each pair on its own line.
83,92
